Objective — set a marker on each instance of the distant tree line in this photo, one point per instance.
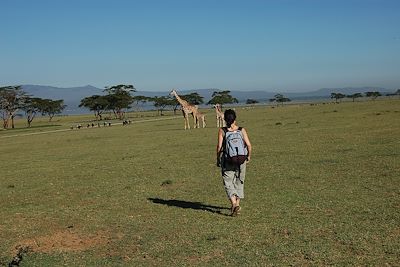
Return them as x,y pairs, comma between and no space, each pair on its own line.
373,95
397,93
14,99
118,100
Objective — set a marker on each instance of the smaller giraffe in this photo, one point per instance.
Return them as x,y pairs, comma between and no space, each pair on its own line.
202,117
220,115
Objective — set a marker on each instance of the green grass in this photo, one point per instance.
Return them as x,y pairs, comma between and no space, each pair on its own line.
322,189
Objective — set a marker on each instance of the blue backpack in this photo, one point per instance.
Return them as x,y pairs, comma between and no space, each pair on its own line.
234,149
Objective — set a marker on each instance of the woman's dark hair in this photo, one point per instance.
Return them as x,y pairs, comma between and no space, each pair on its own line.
229,117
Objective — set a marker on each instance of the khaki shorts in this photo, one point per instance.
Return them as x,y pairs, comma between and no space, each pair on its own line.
233,179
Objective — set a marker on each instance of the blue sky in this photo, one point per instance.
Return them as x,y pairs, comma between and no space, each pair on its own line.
157,45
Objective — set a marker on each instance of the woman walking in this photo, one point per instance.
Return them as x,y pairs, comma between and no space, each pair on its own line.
233,153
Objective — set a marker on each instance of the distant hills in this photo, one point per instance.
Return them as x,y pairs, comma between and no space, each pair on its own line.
73,95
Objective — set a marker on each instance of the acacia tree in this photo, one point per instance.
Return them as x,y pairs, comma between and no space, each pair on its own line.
162,102
354,96
52,107
32,106
119,98
222,97
373,95
251,101
96,103
193,98
279,99
337,96
118,102
11,99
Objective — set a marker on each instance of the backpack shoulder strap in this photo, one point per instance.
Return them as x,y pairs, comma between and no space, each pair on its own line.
225,129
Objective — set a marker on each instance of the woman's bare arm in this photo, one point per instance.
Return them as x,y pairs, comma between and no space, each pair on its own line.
247,141
219,144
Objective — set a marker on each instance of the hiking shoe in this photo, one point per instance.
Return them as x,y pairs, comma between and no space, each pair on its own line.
236,211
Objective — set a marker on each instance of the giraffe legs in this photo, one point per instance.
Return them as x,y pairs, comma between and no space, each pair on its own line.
198,122
187,122
195,120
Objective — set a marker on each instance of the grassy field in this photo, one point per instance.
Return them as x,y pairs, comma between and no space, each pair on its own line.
322,189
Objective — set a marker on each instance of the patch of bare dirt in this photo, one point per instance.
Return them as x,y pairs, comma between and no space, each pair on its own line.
63,241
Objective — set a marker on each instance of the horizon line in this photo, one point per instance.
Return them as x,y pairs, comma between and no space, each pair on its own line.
237,90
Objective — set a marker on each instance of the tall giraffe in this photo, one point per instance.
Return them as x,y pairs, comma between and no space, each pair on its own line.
186,109
220,115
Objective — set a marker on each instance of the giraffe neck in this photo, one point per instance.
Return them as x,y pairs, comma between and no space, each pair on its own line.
180,100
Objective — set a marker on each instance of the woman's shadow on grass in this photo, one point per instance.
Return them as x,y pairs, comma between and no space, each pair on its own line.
189,205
